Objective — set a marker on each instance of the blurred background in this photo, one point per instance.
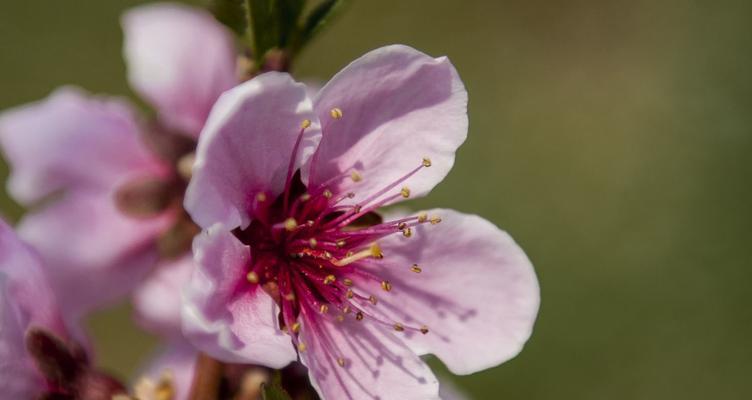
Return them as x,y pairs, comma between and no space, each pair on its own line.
611,139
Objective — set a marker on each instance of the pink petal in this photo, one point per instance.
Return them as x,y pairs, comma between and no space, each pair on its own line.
246,147
477,292
398,105
72,141
95,253
221,315
377,364
18,376
180,59
157,301
177,360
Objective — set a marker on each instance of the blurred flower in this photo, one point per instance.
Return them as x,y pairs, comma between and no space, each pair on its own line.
105,188
286,189
40,354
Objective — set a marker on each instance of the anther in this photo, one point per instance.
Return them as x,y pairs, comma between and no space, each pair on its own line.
426,162
405,192
355,176
435,220
336,113
329,279
350,294
424,329
261,197
386,286
373,299
341,362
305,124
328,194
402,225
398,327
422,217
347,282
415,268
407,232
302,346
252,277
346,310
290,297
305,197
312,242
323,308
340,243
291,224
359,316
296,327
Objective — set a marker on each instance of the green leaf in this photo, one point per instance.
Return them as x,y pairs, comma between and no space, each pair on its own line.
233,13
274,391
317,19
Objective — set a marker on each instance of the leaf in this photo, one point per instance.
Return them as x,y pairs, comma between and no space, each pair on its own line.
317,19
233,13
274,391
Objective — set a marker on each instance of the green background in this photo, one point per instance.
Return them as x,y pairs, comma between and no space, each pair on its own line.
611,139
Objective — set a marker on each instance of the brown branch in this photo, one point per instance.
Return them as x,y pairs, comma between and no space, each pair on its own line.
206,379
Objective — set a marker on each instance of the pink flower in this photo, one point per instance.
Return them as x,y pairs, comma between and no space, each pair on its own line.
294,261
76,158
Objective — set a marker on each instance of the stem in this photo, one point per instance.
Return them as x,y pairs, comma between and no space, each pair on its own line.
206,378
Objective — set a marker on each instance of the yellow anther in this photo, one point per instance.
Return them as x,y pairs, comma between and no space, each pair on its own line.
291,224
296,327
359,316
402,225
424,329
415,268
328,194
329,279
355,176
305,124
341,362
302,346
426,162
422,217
347,282
290,297
435,220
386,285
252,277
373,299
398,327
405,192
346,310
327,255
350,294
313,243
336,113
261,197
305,197
376,251
340,243
407,232
323,308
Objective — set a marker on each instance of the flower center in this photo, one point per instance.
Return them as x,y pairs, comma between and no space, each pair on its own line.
309,247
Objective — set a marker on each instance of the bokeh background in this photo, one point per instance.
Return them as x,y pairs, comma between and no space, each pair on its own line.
611,139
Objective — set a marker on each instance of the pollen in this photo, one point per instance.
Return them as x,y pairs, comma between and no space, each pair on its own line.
291,224
302,347
405,192
329,279
252,277
355,176
296,327
422,217
398,327
402,226
305,124
347,282
426,162
376,251
415,268
386,286
407,232
336,113
435,220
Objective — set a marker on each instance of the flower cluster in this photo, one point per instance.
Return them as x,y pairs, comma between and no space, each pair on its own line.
295,265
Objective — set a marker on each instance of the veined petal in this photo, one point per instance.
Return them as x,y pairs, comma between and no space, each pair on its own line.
361,360
246,147
95,254
72,141
180,59
476,291
157,301
221,315
397,106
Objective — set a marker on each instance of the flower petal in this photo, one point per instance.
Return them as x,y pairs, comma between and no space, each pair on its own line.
157,300
180,59
222,315
246,147
477,291
72,141
377,364
398,105
95,253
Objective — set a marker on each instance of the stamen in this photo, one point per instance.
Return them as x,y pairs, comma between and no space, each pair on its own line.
424,329
405,192
336,113
252,277
305,124
341,362
386,286
329,279
323,308
359,316
373,251
291,224
398,327
296,327
373,299
422,217
355,176
302,347
426,162
312,242
261,197
415,268
435,220
407,232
